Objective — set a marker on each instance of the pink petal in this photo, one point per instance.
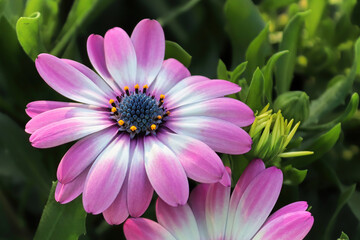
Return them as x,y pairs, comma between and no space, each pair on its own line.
59,114
200,162
186,82
257,202
227,109
201,91
293,207
165,172
254,168
226,178
68,81
294,226
171,72
220,135
96,52
67,130
120,57
106,176
83,153
179,221
149,43
37,107
197,201
145,229
140,190
216,208
117,212
65,193
93,77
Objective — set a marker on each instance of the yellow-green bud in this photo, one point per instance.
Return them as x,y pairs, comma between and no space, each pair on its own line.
293,105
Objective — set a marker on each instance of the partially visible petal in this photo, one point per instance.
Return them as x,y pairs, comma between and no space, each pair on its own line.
65,193
37,107
217,207
96,52
83,153
293,207
118,212
226,178
257,202
200,162
140,190
59,114
165,172
106,176
68,81
197,202
171,72
145,229
294,226
220,135
67,130
92,76
120,57
149,43
186,82
227,109
179,221
201,91
254,168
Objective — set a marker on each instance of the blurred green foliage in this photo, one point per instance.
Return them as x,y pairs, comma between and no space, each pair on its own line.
304,53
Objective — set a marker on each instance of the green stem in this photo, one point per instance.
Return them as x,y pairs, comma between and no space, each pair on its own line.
178,11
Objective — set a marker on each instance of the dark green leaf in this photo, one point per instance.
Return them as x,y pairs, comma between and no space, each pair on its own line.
222,72
285,66
174,50
13,10
293,176
28,33
243,23
255,98
2,6
61,221
268,70
354,204
320,146
313,19
343,236
257,51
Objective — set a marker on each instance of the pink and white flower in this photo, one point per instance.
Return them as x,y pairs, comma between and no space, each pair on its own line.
144,124
211,214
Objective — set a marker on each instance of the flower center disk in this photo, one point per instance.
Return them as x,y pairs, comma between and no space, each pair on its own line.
137,112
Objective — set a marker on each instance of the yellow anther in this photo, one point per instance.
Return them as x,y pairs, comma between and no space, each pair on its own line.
167,112
121,122
126,88
162,96
133,128
136,86
111,101
153,127
113,109
159,117
145,86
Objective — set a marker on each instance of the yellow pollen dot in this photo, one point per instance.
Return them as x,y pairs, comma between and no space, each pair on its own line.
168,112
126,88
133,128
159,117
137,86
113,109
111,101
162,96
121,122
145,86
153,127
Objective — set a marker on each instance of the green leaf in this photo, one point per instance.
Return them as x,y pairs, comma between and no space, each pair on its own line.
174,50
13,10
285,66
257,51
28,33
61,221
235,75
268,70
354,204
343,199
255,98
343,236
320,146
313,19
243,24
293,176
222,72
2,6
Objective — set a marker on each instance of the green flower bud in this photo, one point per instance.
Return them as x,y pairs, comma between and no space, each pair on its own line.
293,105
